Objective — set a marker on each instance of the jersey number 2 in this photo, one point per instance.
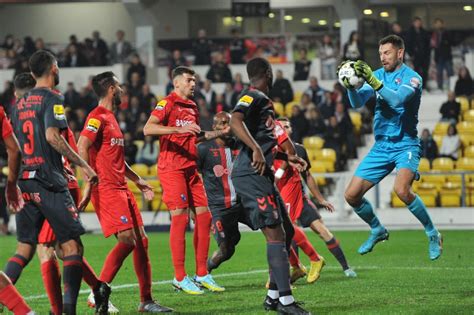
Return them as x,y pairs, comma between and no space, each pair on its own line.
29,147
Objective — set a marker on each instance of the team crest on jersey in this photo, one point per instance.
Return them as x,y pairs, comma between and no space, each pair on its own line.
161,105
58,111
124,219
93,125
245,100
415,82
398,81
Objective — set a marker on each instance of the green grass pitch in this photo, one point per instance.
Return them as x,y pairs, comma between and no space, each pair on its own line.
396,278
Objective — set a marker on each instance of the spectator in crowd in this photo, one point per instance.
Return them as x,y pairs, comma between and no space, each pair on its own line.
353,48
230,97
75,58
148,153
397,30
100,49
315,92
281,91
464,84
202,49
334,139
450,110
72,98
8,42
123,122
142,119
81,116
219,71
418,47
209,96
237,48
305,102
28,46
316,126
88,99
347,128
205,116
137,66
328,54
339,94
5,61
299,124
21,66
442,42
238,83
40,45
147,99
327,107
302,66
136,85
429,148
177,60
451,144
130,148
121,49
125,98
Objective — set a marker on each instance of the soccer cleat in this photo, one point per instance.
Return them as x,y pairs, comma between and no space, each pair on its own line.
376,235
91,303
99,299
270,304
297,273
153,307
350,273
315,270
436,246
208,282
187,286
293,308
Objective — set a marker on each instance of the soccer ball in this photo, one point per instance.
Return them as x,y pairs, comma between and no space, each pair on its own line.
347,71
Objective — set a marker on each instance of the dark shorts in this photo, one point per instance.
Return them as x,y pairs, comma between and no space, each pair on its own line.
225,224
309,213
260,199
56,207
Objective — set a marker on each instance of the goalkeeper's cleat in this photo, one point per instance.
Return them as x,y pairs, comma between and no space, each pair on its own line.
315,270
270,304
376,235
153,307
436,246
187,286
293,308
297,273
350,273
208,282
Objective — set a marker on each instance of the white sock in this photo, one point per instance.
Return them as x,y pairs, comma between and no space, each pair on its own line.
273,294
287,299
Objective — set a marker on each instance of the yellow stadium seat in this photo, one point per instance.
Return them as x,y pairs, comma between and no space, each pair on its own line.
140,169
152,171
443,164
356,119
439,140
441,128
279,108
289,108
465,164
319,167
470,194
436,180
139,143
468,115
465,127
466,139
428,194
469,151
424,165
297,96
328,154
313,154
450,195
464,103
313,142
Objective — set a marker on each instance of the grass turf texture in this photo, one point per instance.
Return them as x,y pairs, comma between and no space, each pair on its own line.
396,278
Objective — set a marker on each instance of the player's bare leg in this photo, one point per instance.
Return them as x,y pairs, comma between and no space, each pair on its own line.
404,191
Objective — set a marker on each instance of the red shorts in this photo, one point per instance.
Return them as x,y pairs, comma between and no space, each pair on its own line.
292,195
183,189
116,210
46,235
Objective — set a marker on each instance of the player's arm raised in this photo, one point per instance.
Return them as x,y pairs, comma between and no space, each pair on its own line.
153,127
13,194
142,184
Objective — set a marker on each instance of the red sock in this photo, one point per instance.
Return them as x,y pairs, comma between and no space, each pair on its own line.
141,263
203,222
302,241
178,244
114,261
12,299
88,274
293,258
52,284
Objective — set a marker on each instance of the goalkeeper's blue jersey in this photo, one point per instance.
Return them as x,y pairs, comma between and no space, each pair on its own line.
396,118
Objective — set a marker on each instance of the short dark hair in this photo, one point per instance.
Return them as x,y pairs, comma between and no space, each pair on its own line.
257,67
181,70
102,82
283,118
41,62
395,40
24,81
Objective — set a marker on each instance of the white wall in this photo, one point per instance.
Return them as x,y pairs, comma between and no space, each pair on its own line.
55,22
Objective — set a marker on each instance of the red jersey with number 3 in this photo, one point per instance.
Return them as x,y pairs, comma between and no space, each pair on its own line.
177,151
106,154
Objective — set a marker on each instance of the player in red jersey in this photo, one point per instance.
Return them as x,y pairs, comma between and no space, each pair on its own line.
101,142
176,120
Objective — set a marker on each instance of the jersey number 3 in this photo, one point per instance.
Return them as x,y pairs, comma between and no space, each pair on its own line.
28,130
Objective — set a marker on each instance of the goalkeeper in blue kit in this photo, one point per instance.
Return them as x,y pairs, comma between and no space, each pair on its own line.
397,89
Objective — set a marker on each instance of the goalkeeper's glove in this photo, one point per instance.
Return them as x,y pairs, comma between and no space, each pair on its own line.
362,69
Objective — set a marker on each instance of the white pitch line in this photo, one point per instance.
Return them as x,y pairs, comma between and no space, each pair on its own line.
232,274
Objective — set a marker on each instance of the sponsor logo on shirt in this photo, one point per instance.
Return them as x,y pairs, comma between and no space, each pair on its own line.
93,125
415,82
183,197
124,219
117,141
58,111
278,130
182,122
161,105
220,171
245,100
